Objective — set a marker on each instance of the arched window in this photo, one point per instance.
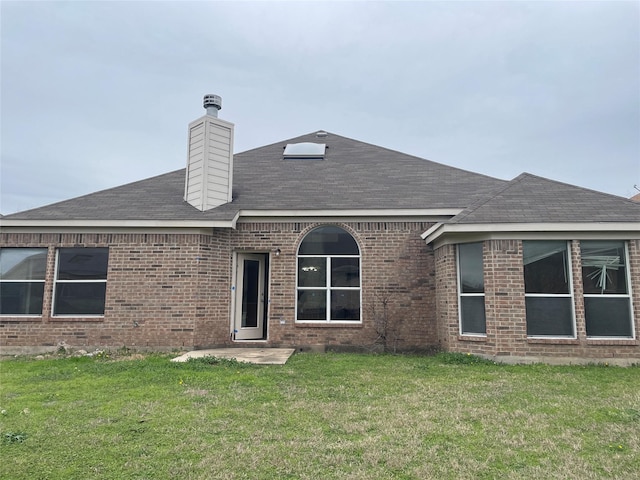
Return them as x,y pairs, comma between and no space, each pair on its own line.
328,277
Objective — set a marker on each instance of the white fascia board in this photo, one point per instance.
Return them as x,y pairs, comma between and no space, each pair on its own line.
380,212
494,230
52,224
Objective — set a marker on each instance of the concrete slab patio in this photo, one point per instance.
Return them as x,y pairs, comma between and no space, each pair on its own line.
260,356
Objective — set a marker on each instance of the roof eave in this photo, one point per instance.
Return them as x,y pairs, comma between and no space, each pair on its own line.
440,231
27,223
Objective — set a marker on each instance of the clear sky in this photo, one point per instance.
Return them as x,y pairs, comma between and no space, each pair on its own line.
98,94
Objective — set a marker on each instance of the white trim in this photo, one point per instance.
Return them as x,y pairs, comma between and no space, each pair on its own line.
120,223
531,231
380,212
628,296
327,287
56,281
570,296
461,294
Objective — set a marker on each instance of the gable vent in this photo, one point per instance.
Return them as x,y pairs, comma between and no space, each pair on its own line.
304,150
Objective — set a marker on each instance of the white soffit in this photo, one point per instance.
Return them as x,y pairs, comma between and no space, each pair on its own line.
397,212
539,229
8,223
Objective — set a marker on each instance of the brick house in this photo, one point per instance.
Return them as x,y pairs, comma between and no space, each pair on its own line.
321,241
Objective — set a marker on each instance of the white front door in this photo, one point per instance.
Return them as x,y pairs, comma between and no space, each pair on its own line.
250,302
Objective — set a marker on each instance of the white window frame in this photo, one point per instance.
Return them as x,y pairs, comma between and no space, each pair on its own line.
328,288
569,295
328,258
56,282
27,315
461,295
628,296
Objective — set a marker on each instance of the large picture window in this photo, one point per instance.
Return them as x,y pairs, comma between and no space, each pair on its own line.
328,276
22,274
81,281
471,289
607,303
548,291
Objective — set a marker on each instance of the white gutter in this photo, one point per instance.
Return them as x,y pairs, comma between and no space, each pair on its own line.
381,212
120,223
441,229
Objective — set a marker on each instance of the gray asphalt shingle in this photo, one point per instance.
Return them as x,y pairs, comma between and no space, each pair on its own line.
532,199
354,175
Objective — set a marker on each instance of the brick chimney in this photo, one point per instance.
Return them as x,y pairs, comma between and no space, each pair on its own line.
209,176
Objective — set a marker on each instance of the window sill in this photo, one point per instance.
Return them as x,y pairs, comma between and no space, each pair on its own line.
613,341
20,318
77,319
328,325
554,341
472,338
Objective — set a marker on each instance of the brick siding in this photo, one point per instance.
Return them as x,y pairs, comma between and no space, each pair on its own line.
506,330
174,290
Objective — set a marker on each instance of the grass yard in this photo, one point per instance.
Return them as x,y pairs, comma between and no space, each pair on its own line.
321,416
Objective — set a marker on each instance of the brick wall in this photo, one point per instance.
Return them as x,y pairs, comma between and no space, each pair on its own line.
506,333
395,263
174,291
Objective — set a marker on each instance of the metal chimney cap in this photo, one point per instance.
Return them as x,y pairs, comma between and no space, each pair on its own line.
212,103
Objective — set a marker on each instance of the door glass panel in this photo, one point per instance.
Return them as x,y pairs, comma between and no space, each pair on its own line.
250,293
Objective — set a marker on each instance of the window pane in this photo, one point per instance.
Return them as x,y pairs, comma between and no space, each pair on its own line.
312,305
21,298
345,272
473,316
549,316
328,240
545,267
82,263
23,263
471,271
312,272
603,267
607,317
80,298
345,305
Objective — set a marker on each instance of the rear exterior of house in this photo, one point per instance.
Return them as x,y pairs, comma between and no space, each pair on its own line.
325,242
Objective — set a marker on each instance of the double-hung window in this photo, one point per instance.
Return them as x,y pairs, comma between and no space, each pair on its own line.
548,289
328,277
81,281
471,289
607,302
22,274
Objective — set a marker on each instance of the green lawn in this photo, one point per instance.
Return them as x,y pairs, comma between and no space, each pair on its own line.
342,416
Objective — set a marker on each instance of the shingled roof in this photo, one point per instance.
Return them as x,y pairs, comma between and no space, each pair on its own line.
532,199
352,176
